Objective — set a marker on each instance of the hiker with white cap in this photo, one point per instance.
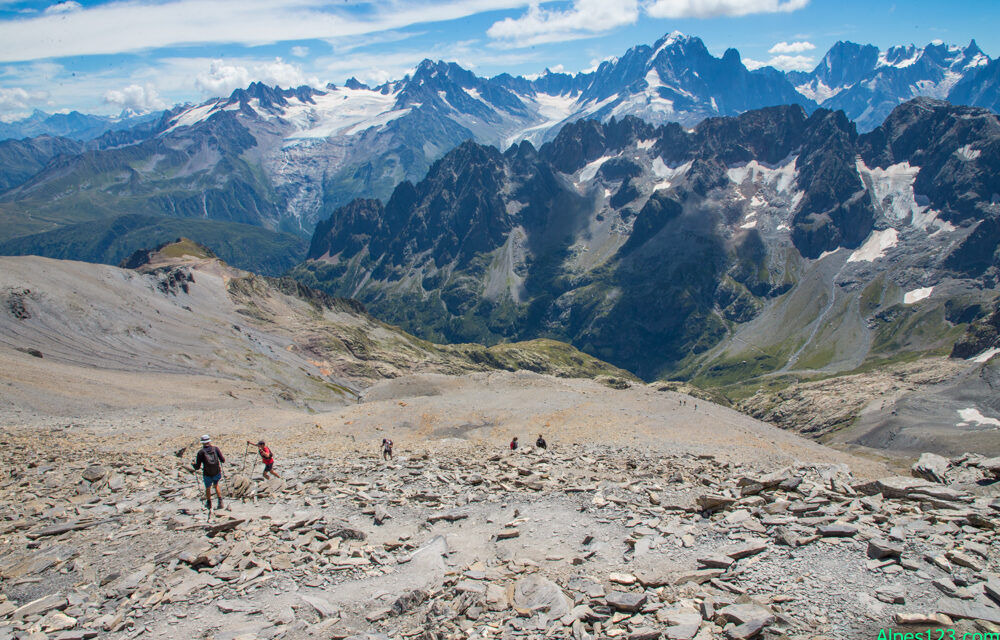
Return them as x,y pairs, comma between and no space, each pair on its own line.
210,460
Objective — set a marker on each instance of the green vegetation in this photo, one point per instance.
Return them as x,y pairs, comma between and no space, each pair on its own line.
185,247
111,240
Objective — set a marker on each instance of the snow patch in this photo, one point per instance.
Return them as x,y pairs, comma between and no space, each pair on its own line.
973,415
978,60
875,246
661,170
817,91
968,153
883,60
553,109
588,172
911,297
193,116
749,225
985,355
784,227
341,111
943,227
475,94
646,144
673,37
892,189
781,178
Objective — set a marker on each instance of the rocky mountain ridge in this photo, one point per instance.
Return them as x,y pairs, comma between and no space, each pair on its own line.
181,311
867,84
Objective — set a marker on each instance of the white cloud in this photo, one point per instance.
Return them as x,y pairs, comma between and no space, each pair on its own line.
282,74
716,8
791,47
595,63
138,98
64,7
584,18
342,45
785,63
300,52
223,78
118,27
19,99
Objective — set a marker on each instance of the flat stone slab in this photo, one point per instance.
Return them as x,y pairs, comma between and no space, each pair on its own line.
40,606
237,606
626,600
878,548
968,610
836,530
447,516
323,607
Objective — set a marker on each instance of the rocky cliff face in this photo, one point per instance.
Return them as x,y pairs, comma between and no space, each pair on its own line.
657,247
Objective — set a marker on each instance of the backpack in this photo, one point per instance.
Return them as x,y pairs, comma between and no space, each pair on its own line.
210,458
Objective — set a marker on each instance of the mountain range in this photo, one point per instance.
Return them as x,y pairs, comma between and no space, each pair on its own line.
73,125
283,159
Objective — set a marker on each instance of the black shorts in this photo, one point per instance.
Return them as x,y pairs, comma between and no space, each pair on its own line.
268,467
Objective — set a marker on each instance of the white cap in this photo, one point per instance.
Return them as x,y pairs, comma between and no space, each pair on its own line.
205,439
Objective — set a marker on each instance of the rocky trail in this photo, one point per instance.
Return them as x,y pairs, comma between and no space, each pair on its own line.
464,539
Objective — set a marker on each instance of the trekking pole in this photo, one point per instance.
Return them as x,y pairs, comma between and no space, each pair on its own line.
246,451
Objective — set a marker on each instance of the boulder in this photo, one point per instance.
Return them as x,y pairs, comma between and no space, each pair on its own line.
626,600
713,502
322,606
931,467
891,594
879,548
899,487
743,613
408,600
536,593
94,473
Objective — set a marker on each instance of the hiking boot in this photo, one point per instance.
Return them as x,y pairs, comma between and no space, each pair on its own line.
218,505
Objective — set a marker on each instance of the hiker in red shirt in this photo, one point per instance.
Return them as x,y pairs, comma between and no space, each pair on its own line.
266,457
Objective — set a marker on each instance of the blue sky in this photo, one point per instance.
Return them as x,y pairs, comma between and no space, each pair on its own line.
100,56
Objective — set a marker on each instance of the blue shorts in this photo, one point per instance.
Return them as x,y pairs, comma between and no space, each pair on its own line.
211,481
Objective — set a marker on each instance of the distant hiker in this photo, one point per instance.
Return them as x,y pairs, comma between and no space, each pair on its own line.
386,449
266,457
540,443
210,460
513,444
